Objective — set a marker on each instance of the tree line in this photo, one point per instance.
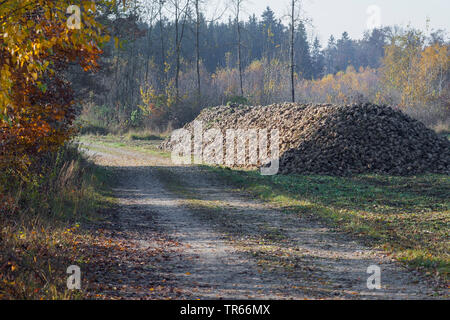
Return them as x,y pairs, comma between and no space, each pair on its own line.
160,62
167,60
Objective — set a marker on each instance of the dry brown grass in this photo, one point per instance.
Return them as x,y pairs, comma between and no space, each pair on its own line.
40,224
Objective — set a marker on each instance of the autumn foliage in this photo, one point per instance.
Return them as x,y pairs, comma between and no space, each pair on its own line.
416,74
36,101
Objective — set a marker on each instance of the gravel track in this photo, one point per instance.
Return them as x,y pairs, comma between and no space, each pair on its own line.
229,246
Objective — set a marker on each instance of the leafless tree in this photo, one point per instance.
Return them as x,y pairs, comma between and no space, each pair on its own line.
237,8
161,32
150,17
294,17
181,11
197,48
216,16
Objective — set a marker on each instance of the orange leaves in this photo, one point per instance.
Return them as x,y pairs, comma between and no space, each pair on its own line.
36,46
417,73
344,87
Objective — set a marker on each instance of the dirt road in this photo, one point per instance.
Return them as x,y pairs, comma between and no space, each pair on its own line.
189,235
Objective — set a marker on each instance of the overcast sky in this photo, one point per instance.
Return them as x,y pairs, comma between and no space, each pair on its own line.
336,16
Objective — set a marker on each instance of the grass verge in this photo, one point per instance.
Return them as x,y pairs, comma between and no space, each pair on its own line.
409,217
42,217
125,142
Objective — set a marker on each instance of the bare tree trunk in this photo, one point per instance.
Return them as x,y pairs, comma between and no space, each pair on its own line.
163,53
238,8
177,48
197,49
133,71
150,30
178,40
116,73
148,53
292,50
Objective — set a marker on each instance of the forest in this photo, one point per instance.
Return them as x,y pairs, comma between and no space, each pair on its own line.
175,62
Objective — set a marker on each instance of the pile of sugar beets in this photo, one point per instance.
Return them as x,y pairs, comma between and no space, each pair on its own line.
337,139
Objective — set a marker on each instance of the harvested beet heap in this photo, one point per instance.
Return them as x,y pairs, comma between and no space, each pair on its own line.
362,139
340,140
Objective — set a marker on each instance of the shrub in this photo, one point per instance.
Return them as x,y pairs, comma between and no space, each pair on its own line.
41,210
238,100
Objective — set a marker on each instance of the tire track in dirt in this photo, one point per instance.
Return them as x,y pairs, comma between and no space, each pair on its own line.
233,247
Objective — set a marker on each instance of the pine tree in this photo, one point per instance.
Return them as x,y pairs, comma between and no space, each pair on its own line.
317,60
302,52
268,28
345,52
330,56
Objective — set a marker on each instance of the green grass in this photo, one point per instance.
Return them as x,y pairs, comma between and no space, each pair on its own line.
144,136
113,141
407,216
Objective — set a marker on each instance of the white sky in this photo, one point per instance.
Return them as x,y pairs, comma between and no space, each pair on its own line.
336,16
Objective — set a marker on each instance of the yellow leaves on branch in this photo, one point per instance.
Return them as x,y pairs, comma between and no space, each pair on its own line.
342,87
36,45
31,29
416,71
